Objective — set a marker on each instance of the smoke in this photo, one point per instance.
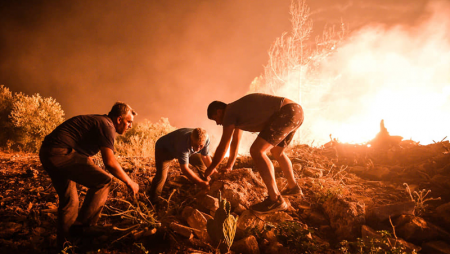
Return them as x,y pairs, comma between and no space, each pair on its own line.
165,58
399,74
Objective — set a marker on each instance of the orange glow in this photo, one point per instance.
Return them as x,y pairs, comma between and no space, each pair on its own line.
397,74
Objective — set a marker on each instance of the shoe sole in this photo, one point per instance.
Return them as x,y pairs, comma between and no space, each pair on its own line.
281,208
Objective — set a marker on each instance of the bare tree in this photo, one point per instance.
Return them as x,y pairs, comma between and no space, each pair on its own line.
294,58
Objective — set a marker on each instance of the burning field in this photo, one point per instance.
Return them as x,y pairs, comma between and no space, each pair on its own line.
389,197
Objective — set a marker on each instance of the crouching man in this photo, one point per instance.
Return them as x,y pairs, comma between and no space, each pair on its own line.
179,144
66,156
276,119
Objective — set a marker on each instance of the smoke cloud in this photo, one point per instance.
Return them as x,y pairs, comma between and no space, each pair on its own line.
399,74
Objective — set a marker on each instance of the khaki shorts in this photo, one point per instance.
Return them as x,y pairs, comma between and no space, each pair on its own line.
282,125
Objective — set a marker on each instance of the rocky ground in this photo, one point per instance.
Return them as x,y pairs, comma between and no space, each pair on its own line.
390,198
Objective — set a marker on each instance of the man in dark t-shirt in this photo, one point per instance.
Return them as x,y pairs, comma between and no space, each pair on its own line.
66,156
179,144
276,119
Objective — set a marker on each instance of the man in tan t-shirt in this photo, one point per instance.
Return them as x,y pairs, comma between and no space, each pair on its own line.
276,119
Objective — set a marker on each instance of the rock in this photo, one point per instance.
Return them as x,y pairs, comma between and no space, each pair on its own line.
383,213
249,221
239,187
297,167
317,219
248,245
182,230
436,247
196,220
312,172
208,202
418,230
443,214
377,174
9,228
346,217
368,232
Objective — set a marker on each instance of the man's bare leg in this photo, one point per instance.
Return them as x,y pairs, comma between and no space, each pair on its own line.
285,165
264,166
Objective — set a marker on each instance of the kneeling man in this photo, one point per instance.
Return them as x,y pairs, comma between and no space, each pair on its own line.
179,144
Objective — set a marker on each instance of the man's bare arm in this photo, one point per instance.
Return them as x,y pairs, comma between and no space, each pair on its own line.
116,170
234,147
221,149
207,160
192,176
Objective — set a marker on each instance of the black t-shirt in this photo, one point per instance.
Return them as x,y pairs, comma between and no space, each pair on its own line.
85,133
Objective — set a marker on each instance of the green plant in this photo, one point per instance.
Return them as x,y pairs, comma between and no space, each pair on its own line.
385,244
420,199
298,238
222,228
141,247
29,119
140,140
323,193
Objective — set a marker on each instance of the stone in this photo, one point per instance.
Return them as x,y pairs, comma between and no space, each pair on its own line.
443,214
317,218
209,202
436,247
346,217
377,174
196,220
418,230
312,172
181,229
383,213
249,221
248,245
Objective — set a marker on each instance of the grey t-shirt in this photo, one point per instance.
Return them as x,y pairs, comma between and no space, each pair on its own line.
251,112
178,145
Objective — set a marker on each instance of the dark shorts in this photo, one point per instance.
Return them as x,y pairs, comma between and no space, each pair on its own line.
282,125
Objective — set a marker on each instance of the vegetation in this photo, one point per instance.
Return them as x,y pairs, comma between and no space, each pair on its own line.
26,120
140,140
386,244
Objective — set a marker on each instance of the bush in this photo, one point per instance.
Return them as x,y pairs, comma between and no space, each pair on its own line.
26,120
140,140
6,102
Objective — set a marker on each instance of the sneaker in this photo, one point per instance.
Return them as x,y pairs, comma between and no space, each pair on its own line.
268,206
292,192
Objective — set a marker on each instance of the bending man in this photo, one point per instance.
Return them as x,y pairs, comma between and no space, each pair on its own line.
276,119
66,156
179,144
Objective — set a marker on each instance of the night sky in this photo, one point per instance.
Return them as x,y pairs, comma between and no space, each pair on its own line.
165,58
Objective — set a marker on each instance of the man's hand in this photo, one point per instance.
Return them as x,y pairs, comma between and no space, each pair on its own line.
226,169
209,172
203,184
134,187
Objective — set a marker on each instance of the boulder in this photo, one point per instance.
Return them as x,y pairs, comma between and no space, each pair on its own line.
208,202
383,213
196,220
346,217
418,230
436,247
247,245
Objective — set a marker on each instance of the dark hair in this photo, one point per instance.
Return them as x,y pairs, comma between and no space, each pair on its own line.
214,106
120,109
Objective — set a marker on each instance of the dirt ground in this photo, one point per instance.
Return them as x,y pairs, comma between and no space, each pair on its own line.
28,202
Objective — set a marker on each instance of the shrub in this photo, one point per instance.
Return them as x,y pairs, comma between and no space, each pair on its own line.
140,140
34,117
6,102
26,120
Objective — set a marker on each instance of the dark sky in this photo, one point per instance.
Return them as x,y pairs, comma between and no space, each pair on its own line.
165,58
